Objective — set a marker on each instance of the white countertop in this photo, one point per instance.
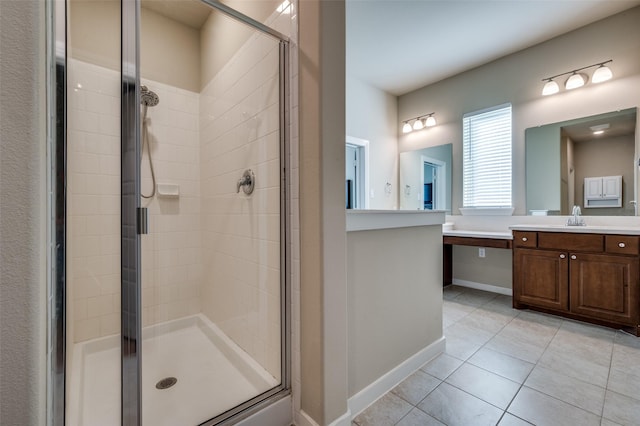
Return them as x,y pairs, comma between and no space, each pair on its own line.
363,220
589,229
478,234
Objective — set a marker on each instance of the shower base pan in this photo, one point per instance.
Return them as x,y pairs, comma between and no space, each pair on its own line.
213,375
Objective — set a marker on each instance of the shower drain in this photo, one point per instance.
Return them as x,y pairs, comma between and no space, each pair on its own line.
166,383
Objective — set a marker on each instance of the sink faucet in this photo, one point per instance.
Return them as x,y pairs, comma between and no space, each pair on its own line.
576,220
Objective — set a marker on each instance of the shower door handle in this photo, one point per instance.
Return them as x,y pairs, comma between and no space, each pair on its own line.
143,220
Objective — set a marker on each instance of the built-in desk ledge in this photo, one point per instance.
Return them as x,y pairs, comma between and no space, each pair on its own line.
362,220
599,229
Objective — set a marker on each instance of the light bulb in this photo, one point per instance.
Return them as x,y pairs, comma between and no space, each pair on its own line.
603,73
431,121
407,127
576,80
550,88
418,125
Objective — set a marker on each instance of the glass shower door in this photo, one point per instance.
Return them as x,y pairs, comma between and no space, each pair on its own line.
176,261
210,166
90,67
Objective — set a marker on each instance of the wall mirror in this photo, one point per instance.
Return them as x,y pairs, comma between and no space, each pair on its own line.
589,162
425,178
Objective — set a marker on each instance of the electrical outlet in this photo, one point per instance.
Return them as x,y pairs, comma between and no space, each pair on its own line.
481,252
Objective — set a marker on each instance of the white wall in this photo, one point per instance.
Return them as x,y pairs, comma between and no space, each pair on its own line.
517,79
372,115
23,214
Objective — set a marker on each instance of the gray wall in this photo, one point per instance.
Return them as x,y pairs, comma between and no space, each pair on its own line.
323,288
371,114
542,168
517,79
394,281
22,214
588,162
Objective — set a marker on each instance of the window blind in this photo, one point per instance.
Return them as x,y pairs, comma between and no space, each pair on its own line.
486,164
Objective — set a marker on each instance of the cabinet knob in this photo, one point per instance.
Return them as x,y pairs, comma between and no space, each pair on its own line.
525,239
573,257
562,256
621,245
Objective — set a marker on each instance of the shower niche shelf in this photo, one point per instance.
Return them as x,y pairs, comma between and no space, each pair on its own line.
168,190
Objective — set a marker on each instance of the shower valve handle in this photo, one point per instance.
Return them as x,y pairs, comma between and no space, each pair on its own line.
246,182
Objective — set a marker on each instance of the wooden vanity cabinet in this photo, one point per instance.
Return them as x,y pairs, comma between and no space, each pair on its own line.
605,286
543,279
591,277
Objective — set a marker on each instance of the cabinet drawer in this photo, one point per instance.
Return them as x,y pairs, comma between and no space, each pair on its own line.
571,242
525,239
621,244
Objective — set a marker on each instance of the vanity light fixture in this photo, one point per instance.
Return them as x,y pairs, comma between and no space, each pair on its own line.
419,122
578,79
550,87
431,120
602,73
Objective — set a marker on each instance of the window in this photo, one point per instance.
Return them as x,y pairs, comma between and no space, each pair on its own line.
486,162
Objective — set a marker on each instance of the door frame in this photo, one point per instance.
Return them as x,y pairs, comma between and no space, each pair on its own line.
363,191
440,202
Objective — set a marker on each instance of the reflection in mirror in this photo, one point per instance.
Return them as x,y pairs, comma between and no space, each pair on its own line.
588,162
357,173
425,179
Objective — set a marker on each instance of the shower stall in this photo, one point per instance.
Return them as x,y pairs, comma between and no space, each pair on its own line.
169,177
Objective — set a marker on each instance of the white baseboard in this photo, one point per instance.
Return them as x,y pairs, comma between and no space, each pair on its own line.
485,287
367,396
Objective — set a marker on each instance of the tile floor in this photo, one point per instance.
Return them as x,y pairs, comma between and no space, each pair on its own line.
509,367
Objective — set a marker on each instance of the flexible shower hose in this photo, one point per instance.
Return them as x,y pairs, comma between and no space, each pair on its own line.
145,141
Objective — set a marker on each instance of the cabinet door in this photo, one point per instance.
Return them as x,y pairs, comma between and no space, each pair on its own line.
592,188
611,187
605,287
541,278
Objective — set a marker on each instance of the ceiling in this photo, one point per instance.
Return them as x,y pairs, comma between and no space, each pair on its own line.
623,123
402,45
194,13
191,13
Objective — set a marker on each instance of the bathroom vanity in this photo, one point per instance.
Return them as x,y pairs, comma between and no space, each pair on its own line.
585,273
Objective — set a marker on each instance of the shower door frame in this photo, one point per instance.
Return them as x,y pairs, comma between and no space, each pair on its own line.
133,217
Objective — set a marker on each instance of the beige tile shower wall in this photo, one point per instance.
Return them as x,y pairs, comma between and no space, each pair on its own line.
93,201
170,259
171,252
241,233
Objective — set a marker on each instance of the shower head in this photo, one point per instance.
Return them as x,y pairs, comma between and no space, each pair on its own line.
148,97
